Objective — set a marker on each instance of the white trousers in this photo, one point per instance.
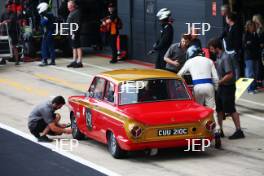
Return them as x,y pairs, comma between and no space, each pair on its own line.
205,95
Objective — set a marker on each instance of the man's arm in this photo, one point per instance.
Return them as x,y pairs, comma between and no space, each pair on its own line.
215,77
48,118
53,127
229,72
168,55
184,69
226,78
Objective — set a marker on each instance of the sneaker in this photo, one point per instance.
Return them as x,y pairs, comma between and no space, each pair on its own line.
237,135
43,64
222,135
17,63
78,65
72,64
44,139
52,63
113,61
3,62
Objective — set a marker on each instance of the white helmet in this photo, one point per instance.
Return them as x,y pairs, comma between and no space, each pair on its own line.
163,14
42,7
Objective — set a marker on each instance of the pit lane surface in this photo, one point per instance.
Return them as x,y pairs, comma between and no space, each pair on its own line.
25,86
20,156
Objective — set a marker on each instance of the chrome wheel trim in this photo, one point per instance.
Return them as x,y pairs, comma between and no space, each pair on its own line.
113,144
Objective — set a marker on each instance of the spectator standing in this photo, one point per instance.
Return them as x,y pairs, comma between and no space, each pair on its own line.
251,53
48,29
175,57
74,17
165,39
225,10
232,41
258,20
225,96
113,24
9,18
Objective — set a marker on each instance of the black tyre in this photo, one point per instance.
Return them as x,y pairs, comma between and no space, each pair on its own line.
76,133
114,148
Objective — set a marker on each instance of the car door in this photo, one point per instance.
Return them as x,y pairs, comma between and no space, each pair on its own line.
92,111
108,107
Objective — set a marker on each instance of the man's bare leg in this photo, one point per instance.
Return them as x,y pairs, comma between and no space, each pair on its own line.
79,55
236,120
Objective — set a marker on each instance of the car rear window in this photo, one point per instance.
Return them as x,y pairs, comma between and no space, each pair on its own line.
152,90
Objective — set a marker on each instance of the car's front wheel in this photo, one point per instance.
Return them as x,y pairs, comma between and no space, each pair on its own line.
113,147
76,133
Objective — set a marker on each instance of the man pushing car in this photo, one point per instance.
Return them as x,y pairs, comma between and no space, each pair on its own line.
43,120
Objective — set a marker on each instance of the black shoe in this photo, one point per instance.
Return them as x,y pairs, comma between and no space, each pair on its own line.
222,135
78,65
52,63
44,139
17,63
43,64
3,62
72,64
113,61
237,135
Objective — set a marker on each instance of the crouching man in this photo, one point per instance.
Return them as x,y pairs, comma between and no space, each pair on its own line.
43,120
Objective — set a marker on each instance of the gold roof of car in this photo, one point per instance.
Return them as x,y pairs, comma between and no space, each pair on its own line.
138,74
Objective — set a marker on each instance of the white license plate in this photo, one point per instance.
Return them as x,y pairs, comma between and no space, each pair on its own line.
172,132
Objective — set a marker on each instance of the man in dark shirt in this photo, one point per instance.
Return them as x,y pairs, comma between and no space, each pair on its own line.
175,57
225,96
43,119
232,41
10,19
74,17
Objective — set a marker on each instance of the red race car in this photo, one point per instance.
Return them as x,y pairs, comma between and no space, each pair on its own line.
136,109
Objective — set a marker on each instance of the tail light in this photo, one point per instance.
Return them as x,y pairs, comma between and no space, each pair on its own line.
136,131
210,125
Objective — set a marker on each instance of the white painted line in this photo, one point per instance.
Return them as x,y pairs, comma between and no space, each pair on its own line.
96,66
64,153
253,117
73,71
92,65
251,102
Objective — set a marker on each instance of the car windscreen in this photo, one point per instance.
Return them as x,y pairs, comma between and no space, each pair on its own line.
152,90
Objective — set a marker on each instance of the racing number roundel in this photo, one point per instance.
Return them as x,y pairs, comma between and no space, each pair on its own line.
88,117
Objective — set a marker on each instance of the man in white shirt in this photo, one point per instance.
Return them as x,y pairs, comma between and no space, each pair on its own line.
205,81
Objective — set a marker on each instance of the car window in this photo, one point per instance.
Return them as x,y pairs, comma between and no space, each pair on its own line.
97,88
152,90
109,92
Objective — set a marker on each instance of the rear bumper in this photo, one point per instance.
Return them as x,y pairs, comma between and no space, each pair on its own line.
127,145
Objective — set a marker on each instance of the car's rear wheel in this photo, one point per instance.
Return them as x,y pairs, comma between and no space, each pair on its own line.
113,146
76,133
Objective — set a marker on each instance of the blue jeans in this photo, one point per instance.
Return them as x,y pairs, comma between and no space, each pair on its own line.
47,49
250,72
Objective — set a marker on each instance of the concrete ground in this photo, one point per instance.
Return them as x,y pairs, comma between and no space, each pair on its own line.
24,86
